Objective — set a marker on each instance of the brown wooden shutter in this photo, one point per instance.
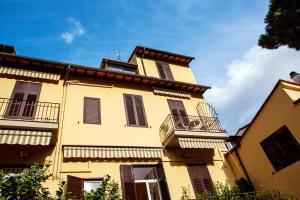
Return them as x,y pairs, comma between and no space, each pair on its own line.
200,178
23,100
91,113
135,112
162,183
164,71
195,179
75,186
140,110
178,110
168,72
161,71
281,148
128,185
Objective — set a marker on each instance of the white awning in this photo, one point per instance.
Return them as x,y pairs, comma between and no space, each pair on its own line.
173,93
29,73
202,143
24,137
111,152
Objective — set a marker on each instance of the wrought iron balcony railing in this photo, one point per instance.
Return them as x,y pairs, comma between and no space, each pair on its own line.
189,123
29,110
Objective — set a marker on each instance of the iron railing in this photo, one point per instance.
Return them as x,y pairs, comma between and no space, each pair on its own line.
29,110
189,123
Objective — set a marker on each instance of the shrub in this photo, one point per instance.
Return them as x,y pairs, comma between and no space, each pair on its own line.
224,192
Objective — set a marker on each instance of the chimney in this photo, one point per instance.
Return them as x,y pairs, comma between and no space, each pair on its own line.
295,76
7,49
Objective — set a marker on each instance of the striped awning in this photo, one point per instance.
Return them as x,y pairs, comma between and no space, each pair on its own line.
24,137
202,143
166,92
29,73
111,152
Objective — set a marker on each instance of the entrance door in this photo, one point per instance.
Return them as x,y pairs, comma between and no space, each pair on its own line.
147,189
179,114
23,102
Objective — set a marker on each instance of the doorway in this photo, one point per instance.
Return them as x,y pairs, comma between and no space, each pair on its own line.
146,183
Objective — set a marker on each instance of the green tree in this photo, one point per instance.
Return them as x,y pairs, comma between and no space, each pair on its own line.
28,184
282,25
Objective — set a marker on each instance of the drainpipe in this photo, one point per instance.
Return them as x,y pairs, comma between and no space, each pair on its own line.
243,167
58,150
143,62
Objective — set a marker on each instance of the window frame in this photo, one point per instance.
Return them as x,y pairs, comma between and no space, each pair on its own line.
135,111
99,111
273,137
90,179
121,69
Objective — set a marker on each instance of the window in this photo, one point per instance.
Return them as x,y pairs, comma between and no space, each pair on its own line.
121,69
135,112
91,185
200,178
281,148
178,113
91,111
23,101
77,185
164,71
144,182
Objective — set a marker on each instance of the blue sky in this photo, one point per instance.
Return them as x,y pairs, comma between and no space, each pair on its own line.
221,35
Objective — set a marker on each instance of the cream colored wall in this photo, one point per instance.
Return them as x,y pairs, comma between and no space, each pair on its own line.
113,129
235,166
180,73
279,111
50,92
174,167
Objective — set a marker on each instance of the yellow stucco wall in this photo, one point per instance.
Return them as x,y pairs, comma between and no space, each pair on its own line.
113,131
10,154
278,111
180,73
113,118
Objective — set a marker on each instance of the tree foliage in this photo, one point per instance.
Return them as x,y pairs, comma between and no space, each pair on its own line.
29,185
109,190
224,192
282,25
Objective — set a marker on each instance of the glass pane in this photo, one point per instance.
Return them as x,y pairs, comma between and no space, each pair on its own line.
115,69
15,104
143,173
29,105
154,191
130,110
88,186
141,191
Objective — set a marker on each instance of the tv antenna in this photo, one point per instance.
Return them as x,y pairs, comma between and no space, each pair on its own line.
117,53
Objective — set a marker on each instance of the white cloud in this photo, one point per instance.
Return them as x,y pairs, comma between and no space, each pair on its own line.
76,30
249,80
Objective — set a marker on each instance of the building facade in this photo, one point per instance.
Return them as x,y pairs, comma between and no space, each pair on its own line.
267,150
144,122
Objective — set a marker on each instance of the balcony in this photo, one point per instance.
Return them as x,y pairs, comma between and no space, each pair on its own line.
186,131
27,114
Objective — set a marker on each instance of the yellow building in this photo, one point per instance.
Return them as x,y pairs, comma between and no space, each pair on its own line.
267,152
144,122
